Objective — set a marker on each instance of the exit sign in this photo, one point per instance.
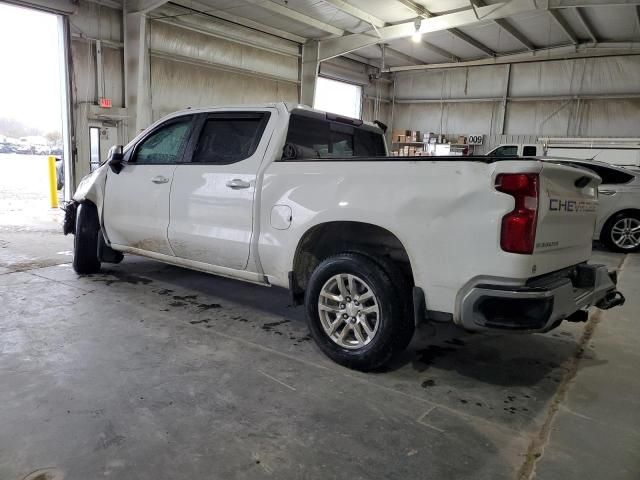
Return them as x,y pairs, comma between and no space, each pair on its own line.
105,102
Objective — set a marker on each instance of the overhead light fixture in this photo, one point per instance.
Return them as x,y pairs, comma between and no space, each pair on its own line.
417,36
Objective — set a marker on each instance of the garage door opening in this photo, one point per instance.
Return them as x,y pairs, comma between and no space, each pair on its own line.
338,97
32,117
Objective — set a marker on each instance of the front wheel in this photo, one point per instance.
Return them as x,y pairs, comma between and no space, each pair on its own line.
621,233
357,316
85,252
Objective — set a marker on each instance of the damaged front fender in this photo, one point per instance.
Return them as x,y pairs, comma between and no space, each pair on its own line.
91,188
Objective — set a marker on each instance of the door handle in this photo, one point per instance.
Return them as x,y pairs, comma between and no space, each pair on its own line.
159,179
238,183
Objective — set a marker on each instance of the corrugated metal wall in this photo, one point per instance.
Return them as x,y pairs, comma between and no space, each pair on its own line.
95,22
581,97
217,71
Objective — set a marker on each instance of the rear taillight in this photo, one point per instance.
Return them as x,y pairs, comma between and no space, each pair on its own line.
518,233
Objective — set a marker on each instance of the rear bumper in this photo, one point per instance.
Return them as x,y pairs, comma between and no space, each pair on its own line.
541,304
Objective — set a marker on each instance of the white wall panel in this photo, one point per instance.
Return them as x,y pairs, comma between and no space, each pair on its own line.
471,82
577,113
178,85
609,118
584,76
175,40
97,21
540,118
447,118
84,72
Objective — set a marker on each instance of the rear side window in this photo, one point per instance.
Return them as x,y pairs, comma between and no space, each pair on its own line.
164,145
317,138
610,176
229,138
529,151
506,151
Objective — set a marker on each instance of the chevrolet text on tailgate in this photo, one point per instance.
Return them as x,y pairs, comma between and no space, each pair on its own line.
288,196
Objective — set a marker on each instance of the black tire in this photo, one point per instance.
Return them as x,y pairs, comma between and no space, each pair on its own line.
85,246
607,231
395,324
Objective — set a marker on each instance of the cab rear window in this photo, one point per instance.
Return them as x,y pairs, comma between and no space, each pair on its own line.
315,138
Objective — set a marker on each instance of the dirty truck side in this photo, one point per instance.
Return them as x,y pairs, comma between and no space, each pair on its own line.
287,196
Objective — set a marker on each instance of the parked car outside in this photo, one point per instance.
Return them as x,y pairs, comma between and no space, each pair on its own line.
6,147
618,223
23,147
41,149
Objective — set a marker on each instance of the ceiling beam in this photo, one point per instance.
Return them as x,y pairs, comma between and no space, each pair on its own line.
515,33
585,50
357,13
296,16
378,23
471,41
68,7
510,29
564,26
334,47
142,6
590,4
416,8
402,56
423,12
585,23
201,8
440,51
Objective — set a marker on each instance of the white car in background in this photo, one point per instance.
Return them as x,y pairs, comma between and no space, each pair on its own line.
618,224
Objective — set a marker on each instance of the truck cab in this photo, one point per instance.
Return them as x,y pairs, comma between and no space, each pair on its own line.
516,150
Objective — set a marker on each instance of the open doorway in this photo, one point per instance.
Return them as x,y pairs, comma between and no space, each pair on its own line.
33,118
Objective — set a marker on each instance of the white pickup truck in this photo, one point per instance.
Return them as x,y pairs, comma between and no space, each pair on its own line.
288,196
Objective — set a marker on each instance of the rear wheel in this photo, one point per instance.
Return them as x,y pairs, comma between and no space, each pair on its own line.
621,233
85,253
357,315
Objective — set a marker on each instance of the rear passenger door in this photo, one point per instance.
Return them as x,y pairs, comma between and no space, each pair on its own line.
212,197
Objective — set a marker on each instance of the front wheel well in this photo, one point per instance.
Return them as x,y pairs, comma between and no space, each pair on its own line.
327,239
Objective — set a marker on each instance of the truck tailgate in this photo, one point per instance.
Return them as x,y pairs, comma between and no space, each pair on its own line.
567,213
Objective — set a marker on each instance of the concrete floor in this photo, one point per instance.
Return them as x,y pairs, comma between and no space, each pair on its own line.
149,371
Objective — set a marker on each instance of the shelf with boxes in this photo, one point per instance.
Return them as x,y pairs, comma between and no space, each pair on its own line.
413,143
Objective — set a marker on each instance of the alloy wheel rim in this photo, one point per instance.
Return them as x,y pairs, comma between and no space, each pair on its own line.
349,311
625,233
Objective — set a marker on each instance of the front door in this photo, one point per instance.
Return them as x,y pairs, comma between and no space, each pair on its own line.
136,205
213,191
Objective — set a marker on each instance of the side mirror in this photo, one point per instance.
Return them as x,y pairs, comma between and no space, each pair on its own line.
115,158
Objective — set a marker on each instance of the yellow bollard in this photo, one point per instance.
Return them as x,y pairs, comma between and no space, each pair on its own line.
53,184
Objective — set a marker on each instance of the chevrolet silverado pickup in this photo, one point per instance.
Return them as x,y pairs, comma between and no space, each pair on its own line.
283,195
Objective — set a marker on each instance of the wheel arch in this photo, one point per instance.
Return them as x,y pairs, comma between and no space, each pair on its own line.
329,238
